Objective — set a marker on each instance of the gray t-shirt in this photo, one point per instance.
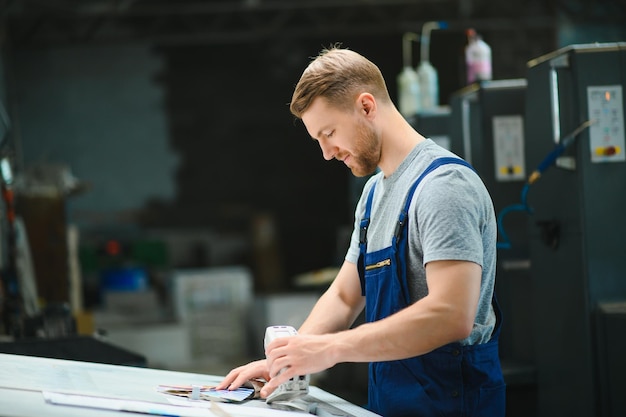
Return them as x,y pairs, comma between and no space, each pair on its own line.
451,217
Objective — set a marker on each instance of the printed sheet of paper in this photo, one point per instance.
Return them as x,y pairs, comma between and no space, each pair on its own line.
207,392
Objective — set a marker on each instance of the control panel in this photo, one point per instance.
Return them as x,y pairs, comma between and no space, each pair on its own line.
508,147
606,133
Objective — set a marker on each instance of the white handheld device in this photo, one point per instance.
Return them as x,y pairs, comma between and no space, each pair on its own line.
294,387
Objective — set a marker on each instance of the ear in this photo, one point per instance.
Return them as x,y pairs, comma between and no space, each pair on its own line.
366,105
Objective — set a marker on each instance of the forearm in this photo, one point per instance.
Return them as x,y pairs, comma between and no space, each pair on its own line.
445,315
416,330
339,306
328,316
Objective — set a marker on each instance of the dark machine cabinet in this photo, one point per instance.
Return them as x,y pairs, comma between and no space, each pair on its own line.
611,359
465,122
487,128
575,103
435,124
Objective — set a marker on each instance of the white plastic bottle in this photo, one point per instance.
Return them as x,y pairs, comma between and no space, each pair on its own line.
477,58
429,85
409,98
426,72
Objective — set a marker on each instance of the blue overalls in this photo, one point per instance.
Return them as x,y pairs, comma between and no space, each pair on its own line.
453,380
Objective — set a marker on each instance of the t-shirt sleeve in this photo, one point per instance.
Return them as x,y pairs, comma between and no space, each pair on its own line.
450,217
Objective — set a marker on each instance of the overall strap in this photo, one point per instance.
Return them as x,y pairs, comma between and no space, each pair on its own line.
407,202
365,222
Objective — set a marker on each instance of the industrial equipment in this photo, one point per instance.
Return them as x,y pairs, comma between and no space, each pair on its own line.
487,130
434,124
575,144
296,386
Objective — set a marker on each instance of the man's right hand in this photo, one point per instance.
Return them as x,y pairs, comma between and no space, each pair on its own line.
239,376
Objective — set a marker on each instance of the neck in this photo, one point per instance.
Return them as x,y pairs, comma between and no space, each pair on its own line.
398,140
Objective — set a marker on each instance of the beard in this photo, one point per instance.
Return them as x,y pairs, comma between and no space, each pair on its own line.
367,151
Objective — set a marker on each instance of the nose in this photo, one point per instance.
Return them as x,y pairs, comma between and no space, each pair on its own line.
328,151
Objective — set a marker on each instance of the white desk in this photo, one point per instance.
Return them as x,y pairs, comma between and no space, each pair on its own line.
23,378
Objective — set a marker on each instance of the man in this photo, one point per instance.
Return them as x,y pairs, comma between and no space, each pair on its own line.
421,260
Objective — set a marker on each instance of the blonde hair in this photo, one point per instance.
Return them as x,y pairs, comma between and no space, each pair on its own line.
339,76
